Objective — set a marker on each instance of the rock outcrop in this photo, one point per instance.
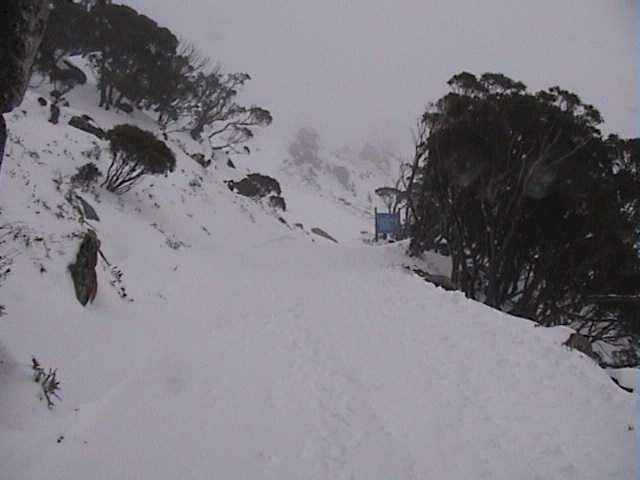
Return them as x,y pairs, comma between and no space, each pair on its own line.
256,185
582,344
86,125
22,25
83,271
323,234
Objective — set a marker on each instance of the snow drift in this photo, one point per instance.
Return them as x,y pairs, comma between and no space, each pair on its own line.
245,350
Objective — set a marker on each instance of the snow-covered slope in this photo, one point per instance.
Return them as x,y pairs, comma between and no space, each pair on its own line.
245,350
335,191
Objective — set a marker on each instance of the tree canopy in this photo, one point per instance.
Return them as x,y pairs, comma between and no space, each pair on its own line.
135,152
138,62
536,208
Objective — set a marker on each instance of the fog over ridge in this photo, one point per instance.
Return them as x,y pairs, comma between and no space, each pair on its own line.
362,69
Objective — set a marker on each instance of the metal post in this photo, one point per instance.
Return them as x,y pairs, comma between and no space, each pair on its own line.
375,212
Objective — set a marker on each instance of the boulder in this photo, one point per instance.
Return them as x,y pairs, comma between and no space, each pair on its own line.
22,25
86,125
582,344
255,185
87,210
322,233
83,271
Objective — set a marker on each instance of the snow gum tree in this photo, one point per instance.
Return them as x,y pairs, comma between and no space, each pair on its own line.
532,203
215,112
140,63
135,153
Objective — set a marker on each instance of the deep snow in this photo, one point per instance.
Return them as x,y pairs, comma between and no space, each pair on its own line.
245,350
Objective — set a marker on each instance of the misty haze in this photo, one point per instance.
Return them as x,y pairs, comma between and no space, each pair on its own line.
303,239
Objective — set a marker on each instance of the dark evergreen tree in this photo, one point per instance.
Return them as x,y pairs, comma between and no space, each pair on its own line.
68,31
133,55
139,62
530,201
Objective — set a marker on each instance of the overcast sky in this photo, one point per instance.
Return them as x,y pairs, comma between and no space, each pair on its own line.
367,68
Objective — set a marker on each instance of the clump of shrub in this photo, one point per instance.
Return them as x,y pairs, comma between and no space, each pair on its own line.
86,176
135,153
48,381
256,185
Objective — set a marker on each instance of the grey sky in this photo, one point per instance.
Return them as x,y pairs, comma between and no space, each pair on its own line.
361,68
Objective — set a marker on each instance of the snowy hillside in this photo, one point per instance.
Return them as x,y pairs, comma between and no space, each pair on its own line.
333,190
246,348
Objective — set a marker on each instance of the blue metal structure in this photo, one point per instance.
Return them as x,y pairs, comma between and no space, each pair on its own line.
387,223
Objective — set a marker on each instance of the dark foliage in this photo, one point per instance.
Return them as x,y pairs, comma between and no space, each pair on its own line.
212,108
68,31
535,207
143,63
86,175
130,65
135,153
256,185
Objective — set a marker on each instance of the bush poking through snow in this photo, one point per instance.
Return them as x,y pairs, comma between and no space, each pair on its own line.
135,153
48,381
86,176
